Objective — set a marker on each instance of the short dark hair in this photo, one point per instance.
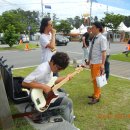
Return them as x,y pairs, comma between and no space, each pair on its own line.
61,59
44,23
98,25
103,24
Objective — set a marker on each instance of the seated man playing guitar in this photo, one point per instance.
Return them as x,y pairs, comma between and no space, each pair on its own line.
40,77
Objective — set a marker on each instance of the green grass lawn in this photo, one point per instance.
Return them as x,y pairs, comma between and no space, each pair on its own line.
120,57
111,113
20,47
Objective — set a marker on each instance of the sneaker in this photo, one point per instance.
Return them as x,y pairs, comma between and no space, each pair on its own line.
93,101
84,66
90,96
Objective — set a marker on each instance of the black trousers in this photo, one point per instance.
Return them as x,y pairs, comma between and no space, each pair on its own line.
107,66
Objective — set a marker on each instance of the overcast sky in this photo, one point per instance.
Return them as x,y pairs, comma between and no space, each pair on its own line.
69,8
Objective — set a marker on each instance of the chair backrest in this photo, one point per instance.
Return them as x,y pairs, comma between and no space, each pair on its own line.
12,84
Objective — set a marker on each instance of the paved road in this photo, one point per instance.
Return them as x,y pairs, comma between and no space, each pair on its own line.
31,58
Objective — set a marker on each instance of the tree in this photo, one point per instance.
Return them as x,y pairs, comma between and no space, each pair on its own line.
64,26
1,21
23,21
127,21
77,21
54,18
112,20
10,36
71,21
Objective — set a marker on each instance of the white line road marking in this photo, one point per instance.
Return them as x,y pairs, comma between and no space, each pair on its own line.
24,67
74,52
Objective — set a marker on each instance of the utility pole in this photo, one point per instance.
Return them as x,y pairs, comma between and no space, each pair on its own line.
90,10
42,7
107,8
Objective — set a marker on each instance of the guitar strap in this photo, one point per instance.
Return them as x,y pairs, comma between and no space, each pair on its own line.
18,115
54,105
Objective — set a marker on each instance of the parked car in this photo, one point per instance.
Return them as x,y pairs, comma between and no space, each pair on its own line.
61,40
24,38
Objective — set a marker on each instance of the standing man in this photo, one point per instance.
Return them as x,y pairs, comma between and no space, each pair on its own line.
97,56
107,63
47,39
85,47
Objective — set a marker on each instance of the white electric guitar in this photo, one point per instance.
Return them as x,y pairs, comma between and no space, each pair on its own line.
42,102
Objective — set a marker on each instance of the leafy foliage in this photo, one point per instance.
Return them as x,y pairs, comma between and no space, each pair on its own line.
127,21
112,20
21,20
64,27
77,21
10,36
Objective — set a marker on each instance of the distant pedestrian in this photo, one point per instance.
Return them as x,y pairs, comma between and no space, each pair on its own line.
107,63
129,41
85,47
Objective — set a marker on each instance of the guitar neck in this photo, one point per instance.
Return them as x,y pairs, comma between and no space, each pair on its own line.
63,82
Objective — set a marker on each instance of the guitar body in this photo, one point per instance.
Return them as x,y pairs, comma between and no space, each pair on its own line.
42,102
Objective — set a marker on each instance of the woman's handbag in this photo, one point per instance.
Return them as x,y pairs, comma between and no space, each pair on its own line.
101,80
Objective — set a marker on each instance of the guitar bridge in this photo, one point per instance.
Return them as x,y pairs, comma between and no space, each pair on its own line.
44,108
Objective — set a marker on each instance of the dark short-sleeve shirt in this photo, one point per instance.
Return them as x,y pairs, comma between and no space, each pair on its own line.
86,35
129,42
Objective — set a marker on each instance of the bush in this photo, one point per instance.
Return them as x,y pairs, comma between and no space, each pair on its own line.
10,36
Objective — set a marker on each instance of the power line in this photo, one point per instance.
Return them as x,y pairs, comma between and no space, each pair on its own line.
8,2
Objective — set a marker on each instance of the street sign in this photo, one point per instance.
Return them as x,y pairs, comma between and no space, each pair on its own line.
29,27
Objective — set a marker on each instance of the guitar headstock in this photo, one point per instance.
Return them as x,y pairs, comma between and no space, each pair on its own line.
78,69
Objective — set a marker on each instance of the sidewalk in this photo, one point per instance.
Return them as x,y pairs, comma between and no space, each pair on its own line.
117,68
120,69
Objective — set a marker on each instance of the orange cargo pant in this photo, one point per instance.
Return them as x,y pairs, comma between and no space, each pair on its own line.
128,47
95,71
